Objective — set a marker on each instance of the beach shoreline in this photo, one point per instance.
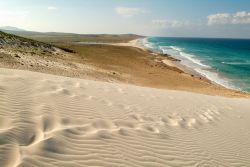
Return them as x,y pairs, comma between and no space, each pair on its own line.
222,61
174,62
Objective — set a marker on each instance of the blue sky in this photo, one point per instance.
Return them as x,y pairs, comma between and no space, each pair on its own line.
195,18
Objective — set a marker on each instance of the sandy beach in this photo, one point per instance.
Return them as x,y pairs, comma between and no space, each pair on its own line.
49,120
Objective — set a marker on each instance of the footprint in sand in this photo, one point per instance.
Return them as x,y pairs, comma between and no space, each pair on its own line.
124,132
189,123
204,118
53,145
172,121
49,123
136,117
148,128
104,134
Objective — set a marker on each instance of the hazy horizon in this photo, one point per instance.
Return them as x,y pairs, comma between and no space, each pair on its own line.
192,18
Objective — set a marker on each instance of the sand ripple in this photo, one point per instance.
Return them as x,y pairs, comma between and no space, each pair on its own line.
54,121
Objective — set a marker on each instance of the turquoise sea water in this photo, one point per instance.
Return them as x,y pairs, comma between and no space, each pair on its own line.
224,61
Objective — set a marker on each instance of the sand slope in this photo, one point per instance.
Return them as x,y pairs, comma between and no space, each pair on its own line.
50,121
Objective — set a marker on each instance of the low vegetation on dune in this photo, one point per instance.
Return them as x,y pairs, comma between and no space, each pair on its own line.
10,40
24,53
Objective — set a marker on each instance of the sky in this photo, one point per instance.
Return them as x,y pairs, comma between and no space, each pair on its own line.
179,18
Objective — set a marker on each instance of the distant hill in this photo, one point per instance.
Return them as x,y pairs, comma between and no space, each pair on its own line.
9,28
60,37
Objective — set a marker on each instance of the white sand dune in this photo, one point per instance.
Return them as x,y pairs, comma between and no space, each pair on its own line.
48,121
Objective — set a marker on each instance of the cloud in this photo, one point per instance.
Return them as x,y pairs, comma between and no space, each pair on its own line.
128,12
227,18
52,8
170,23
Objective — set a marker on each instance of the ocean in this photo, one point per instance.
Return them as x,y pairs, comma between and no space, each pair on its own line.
224,61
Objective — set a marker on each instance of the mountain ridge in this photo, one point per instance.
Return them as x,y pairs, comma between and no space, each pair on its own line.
11,28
